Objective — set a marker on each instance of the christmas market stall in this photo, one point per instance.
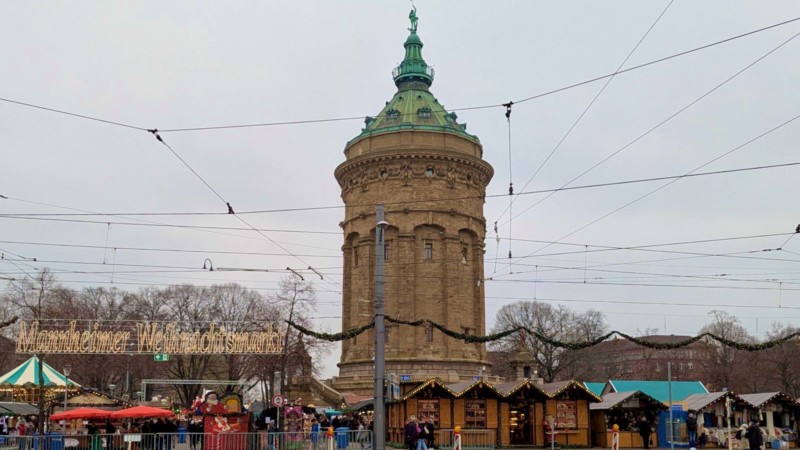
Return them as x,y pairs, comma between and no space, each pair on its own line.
472,405
633,412
566,414
776,413
711,411
521,412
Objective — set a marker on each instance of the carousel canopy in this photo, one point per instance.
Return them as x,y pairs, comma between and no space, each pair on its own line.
27,375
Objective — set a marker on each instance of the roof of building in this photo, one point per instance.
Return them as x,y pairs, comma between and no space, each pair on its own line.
596,388
510,387
758,399
557,387
617,344
660,389
17,409
613,399
414,106
696,402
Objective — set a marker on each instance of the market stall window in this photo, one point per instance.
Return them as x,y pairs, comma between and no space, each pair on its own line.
475,416
428,409
566,414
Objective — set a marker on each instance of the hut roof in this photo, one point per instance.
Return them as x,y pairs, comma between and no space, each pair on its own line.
758,399
613,399
697,402
555,388
660,389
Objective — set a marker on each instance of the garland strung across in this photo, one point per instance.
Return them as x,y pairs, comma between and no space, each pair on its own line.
472,339
332,337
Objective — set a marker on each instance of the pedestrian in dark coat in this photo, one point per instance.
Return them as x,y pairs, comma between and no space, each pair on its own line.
644,430
429,428
753,435
411,433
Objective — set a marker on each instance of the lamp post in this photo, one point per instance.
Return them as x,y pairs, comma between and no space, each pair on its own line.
67,369
379,421
111,388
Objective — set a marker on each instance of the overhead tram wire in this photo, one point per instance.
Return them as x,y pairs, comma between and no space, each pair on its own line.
661,123
653,191
231,211
140,222
318,208
598,248
361,117
588,107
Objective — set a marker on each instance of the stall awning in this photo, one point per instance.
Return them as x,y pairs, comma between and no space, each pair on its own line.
18,409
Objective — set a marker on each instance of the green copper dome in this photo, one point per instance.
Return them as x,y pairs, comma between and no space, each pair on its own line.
413,106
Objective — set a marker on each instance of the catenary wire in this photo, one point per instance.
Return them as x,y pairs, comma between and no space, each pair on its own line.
318,208
664,121
589,106
310,121
653,191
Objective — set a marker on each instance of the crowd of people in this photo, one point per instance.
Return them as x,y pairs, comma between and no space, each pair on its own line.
419,434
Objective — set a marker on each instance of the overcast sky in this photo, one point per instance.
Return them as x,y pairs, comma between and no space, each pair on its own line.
170,65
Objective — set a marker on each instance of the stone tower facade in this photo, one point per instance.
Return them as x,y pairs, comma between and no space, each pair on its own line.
417,160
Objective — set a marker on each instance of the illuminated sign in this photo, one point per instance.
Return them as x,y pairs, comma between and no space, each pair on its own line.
146,338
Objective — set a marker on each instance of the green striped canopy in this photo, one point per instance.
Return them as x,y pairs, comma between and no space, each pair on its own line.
27,375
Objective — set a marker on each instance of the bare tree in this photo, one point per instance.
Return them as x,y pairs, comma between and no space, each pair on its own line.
785,359
555,323
297,298
720,368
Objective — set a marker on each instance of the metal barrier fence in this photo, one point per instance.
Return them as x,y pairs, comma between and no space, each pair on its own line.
262,440
470,439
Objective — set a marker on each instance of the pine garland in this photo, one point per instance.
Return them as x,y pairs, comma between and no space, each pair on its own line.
335,337
472,339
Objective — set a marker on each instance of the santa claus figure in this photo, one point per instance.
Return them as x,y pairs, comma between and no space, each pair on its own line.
211,405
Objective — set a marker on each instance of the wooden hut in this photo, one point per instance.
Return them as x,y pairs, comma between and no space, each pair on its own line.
774,411
623,408
521,412
512,413
471,404
568,409
710,410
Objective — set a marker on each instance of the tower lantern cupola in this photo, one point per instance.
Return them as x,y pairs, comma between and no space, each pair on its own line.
413,68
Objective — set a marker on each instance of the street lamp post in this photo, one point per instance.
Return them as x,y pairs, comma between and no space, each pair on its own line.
379,417
67,369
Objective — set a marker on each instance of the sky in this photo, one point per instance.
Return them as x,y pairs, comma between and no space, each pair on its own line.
176,65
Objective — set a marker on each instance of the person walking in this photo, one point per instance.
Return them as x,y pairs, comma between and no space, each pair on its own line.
691,429
753,435
429,428
644,430
411,433
422,437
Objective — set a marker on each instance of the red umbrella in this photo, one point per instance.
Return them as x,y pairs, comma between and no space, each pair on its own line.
81,413
141,411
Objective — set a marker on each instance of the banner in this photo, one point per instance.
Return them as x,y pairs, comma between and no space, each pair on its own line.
146,338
